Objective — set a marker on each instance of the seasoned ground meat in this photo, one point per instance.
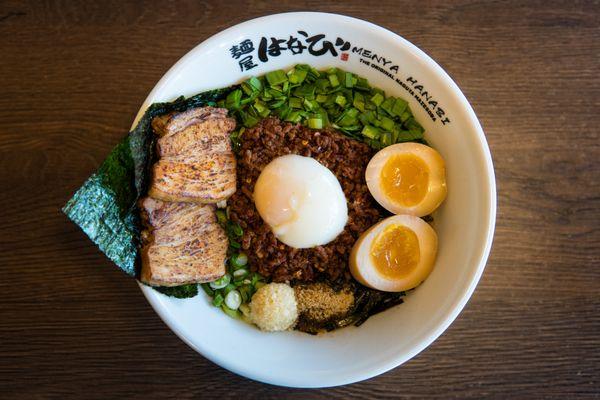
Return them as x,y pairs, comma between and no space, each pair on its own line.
345,157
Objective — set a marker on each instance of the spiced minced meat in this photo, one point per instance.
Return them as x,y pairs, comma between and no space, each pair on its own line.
346,158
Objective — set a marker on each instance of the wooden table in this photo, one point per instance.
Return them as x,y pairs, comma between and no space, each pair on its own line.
72,78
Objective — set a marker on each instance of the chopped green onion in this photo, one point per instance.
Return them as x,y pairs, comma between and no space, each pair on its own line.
333,79
322,98
233,100
207,289
404,136
221,217
221,282
294,116
276,93
405,115
349,79
297,75
239,260
266,95
240,273
277,103
295,102
341,100
233,299
359,101
367,118
415,129
283,111
315,123
316,99
399,106
237,230
250,121
322,86
370,132
386,138
255,83
228,289
261,107
232,313
311,105
247,89
245,292
362,83
387,124
233,290
388,106
305,91
377,99
217,300
276,77
348,117
255,278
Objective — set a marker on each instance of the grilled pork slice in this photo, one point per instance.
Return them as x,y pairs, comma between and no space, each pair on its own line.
196,163
181,243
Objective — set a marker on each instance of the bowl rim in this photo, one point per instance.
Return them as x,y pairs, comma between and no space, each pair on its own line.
394,360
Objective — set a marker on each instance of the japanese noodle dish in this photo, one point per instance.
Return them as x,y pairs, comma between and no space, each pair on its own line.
301,199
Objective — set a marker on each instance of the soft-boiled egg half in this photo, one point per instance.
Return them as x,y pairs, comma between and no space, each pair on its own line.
394,255
301,200
407,178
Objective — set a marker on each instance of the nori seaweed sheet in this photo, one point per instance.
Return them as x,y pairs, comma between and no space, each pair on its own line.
105,207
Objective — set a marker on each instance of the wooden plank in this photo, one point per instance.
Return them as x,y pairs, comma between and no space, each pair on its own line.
73,75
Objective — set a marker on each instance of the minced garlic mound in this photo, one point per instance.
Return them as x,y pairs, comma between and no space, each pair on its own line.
274,308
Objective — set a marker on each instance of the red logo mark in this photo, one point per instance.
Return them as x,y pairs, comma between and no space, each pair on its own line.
344,56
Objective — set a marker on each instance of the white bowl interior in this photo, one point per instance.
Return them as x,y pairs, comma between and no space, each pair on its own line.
464,222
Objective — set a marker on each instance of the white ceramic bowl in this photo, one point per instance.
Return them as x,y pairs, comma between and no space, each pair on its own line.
464,223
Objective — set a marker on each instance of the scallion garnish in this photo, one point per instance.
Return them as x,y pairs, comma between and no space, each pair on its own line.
276,77
319,99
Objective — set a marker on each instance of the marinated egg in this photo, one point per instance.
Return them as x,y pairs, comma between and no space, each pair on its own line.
407,178
394,255
301,200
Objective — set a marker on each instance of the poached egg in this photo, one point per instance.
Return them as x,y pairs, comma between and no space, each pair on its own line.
301,200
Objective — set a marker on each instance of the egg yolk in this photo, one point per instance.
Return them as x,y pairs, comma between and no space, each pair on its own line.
395,252
405,179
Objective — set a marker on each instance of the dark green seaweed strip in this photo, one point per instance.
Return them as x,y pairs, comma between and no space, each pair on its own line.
105,207
180,292
102,208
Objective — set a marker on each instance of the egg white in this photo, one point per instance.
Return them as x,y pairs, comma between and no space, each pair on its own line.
301,200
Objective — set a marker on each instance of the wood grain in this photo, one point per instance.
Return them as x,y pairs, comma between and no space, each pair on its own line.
73,75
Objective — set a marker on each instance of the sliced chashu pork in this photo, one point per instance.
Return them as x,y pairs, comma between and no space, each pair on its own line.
195,159
182,243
